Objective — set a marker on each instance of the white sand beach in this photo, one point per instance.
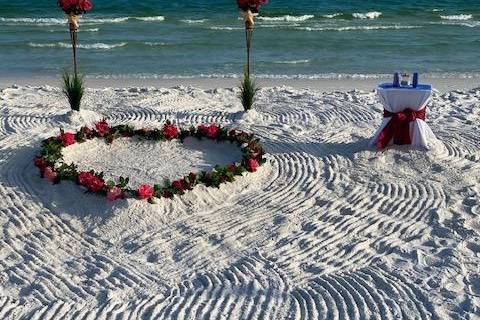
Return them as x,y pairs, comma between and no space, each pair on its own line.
328,228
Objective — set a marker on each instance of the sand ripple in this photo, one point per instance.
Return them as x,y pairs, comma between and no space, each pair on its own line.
327,229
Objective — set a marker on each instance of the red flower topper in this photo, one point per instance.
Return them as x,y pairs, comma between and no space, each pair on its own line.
253,5
75,6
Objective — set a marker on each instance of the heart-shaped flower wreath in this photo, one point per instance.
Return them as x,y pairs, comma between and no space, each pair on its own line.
51,165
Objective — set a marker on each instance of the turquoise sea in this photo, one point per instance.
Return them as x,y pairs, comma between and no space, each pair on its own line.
302,38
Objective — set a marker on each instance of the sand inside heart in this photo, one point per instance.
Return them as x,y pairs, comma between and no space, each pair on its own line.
150,162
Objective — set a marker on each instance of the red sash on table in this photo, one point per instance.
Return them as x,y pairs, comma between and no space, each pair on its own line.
399,127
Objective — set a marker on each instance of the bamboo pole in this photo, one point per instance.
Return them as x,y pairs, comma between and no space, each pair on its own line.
73,24
249,25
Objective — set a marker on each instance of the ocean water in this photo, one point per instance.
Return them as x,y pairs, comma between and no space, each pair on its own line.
302,38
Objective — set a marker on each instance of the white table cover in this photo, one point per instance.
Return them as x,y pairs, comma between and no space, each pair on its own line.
397,99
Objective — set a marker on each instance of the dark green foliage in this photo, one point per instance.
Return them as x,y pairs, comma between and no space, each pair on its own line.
73,89
248,89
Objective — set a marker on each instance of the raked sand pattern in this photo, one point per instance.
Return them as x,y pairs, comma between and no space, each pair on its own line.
327,229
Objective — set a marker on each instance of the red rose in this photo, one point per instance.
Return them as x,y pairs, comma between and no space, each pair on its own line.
67,138
102,127
167,194
170,131
75,6
66,5
145,192
84,178
49,174
254,5
211,131
252,165
40,163
92,182
86,131
85,5
179,185
95,184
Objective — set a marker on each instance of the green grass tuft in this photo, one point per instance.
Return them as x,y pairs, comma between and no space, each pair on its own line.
73,89
248,89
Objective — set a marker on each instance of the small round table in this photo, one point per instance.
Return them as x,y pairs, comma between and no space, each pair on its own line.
404,116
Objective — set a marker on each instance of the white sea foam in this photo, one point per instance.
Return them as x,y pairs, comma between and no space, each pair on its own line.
155,18
41,21
83,20
457,17
155,44
292,61
225,28
80,30
333,15
95,46
318,76
367,15
462,23
105,20
288,18
194,21
358,28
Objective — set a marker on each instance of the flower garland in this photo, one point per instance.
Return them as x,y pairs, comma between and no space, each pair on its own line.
52,167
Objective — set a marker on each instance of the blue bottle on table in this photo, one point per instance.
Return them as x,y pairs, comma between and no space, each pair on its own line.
415,80
396,80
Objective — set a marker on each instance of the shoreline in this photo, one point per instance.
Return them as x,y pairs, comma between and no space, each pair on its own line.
326,85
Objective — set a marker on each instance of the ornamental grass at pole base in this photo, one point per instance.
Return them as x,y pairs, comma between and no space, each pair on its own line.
248,90
73,89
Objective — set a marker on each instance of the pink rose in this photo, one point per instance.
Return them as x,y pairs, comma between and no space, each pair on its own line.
114,193
252,165
170,131
145,192
49,174
102,127
67,138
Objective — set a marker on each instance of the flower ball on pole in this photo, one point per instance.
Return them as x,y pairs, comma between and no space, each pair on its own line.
248,88
73,84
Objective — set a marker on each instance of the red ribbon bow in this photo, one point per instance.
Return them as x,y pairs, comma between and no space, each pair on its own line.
399,127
